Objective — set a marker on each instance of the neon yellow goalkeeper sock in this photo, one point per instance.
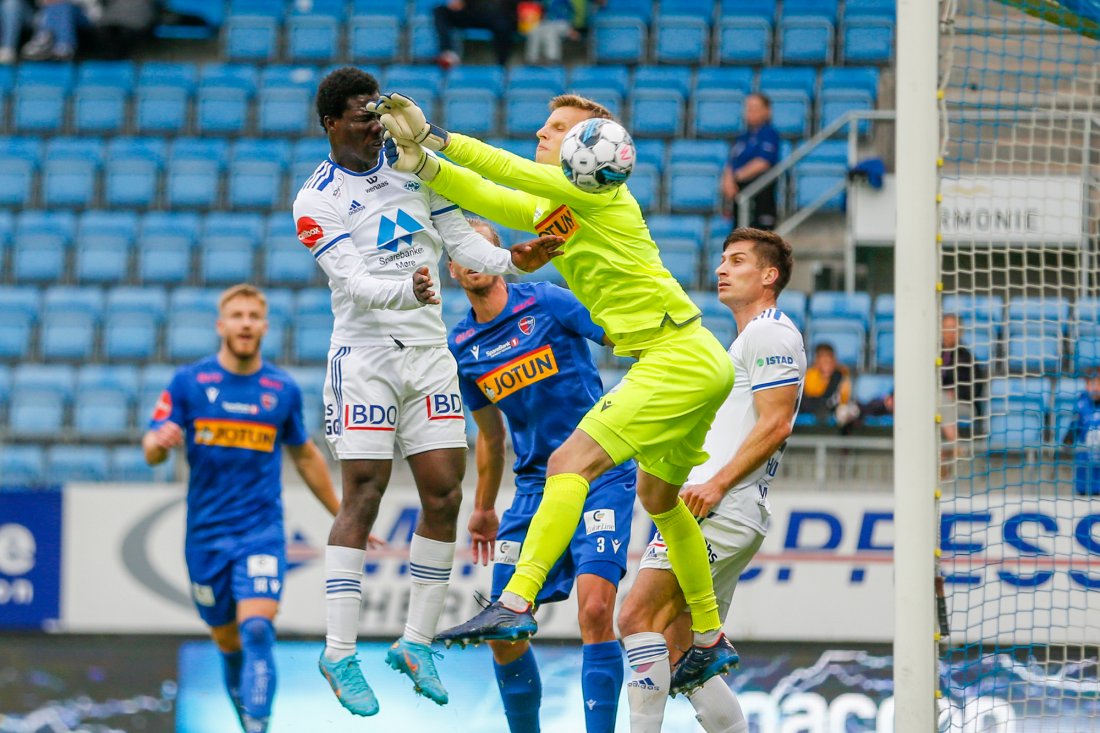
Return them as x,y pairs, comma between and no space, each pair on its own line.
551,529
687,552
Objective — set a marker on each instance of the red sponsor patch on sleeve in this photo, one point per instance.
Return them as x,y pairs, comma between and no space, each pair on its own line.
163,408
309,231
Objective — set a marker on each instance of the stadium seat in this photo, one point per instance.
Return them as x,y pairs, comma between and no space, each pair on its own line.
190,335
280,302
99,109
836,304
275,340
36,413
164,247
16,181
283,110
1086,354
884,347
805,40
1018,395
68,335
524,112
473,111
69,181
718,113
312,332
22,465
668,226
130,336
38,108
1067,391
221,110
692,187
312,39
194,299
424,76
682,263
868,40
101,413
699,151
847,344
1047,311
374,38
423,41
15,335
748,8
664,78
655,113
131,174
814,180
51,232
791,112
793,304
616,39
136,299
1034,347
548,80
21,299
192,183
835,103
161,107
65,463
680,39
255,184
867,387
153,381
286,263
616,77
250,38
884,309
644,185
1015,432
104,242
227,248
698,8
743,40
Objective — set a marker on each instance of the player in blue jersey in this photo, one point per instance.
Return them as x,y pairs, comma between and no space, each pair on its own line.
522,353
233,412
1084,435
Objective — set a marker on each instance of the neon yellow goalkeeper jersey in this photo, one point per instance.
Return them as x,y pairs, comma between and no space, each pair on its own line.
611,263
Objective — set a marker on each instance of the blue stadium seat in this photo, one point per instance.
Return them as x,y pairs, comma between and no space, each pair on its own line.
221,110
101,412
985,311
312,38
718,113
164,247
15,335
884,309
68,335
629,8
525,112
805,40
153,381
793,304
57,378
1087,323
838,304
616,39
1067,390
869,9
814,8
198,299
130,336
884,347
743,40
654,113
868,40
698,151
785,78
67,297
99,108
422,76
36,412
1034,347
136,299
23,465
1018,394
161,107
255,184
860,77
487,78
38,108
69,182
227,247
130,178
847,344
393,8
748,8
680,39
66,463
664,78
21,299
683,264
615,77
190,335
698,8
51,232
127,463
548,80
274,343
1015,432
250,38
605,95
1030,310
869,387
692,187
178,73
311,336
286,263
814,180
311,301
791,112
644,185
280,302
16,181
835,103
374,38
240,76
104,242
283,110
667,226
473,111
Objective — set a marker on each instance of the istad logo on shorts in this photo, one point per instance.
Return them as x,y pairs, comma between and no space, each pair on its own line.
599,520
521,372
236,434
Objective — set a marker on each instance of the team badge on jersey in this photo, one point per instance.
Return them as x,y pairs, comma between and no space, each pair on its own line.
392,233
269,401
560,222
527,325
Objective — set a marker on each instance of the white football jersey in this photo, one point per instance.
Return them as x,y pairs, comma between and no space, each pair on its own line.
768,353
369,231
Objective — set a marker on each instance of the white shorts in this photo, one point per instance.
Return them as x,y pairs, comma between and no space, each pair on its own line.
378,397
730,547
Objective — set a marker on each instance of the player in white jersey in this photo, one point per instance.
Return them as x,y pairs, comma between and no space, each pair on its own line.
378,234
728,493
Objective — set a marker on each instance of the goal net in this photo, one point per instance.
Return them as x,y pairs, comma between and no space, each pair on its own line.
1020,434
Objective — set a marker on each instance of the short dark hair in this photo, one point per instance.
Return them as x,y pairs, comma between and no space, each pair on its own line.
826,347
338,87
770,248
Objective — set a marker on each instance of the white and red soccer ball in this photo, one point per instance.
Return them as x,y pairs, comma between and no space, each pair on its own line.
597,155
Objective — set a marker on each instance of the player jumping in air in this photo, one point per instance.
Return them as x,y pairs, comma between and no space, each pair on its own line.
378,234
729,492
661,411
235,411
522,353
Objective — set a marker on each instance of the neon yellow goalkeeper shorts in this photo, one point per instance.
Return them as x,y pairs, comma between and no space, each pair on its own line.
660,413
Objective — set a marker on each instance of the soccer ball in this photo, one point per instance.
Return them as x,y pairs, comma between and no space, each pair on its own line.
597,155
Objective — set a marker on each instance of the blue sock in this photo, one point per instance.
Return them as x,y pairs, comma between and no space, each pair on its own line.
231,668
601,680
521,691
258,674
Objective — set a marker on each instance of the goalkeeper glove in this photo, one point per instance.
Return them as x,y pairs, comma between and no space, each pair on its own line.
405,121
409,157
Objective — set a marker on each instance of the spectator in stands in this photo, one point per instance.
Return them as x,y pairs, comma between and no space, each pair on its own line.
1084,435
56,25
958,380
497,16
556,20
123,25
753,153
14,14
828,386
851,419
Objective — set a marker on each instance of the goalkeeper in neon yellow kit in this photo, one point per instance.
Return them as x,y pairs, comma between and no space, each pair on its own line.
661,411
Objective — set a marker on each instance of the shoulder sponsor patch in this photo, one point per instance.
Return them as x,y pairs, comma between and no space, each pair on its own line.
309,231
599,520
235,434
561,222
163,407
523,371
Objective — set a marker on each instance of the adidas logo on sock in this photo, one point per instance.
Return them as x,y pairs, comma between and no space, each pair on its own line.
644,683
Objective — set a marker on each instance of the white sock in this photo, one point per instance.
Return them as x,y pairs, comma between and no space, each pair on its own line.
430,564
343,591
717,709
650,677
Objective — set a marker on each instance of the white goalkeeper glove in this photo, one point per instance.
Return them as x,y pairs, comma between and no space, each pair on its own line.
410,157
405,121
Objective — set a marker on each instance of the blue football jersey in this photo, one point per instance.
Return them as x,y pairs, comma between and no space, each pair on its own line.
532,361
1086,440
235,425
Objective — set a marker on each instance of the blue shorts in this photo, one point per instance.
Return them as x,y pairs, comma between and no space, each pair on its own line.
598,547
224,573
